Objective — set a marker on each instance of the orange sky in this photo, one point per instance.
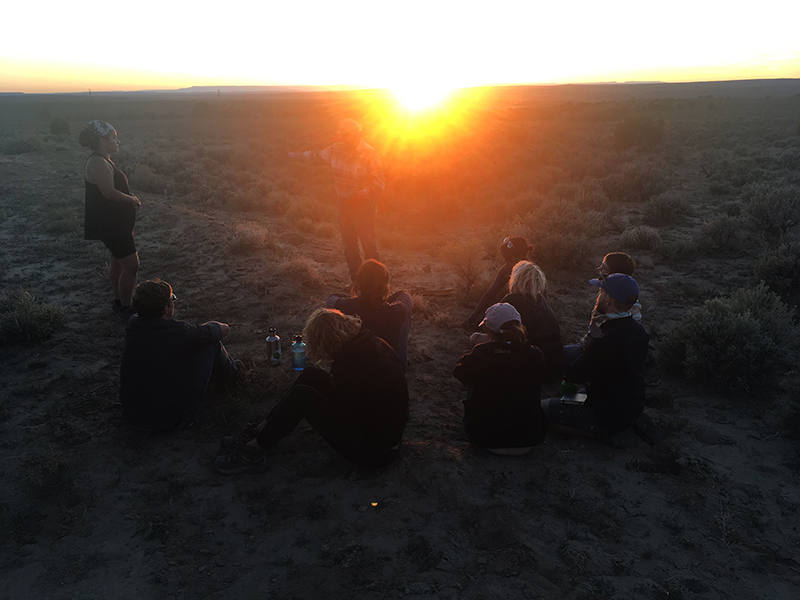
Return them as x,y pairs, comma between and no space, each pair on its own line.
170,44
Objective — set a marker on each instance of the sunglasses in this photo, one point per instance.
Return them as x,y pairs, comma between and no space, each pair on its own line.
509,244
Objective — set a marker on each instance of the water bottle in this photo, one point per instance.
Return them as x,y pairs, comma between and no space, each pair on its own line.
298,353
274,347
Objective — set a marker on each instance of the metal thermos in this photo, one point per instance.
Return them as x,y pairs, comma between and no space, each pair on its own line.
274,347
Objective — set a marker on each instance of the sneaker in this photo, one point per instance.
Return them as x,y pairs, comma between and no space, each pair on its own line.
232,443
245,458
126,313
646,429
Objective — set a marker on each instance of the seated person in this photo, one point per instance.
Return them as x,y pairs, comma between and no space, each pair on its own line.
502,412
527,287
611,367
613,262
513,250
167,364
389,317
360,408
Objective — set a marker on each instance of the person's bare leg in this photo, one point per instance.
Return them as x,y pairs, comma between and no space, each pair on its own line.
114,272
127,278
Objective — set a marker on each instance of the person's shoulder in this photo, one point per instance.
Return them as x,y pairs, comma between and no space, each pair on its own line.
365,148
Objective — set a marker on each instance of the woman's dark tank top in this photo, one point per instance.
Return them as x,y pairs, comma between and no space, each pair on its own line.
104,217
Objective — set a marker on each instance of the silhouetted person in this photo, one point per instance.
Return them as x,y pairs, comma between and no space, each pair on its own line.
110,212
389,317
612,368
513,250
360,408
167,364
359,181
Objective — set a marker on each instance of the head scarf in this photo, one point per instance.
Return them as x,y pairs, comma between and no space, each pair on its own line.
101,128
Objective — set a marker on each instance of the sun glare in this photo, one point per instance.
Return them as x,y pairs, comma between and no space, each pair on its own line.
419,97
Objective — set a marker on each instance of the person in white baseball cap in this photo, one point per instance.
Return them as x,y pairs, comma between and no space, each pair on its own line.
502,411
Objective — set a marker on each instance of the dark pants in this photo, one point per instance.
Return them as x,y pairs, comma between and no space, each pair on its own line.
153,412
213,360
357,222
310,398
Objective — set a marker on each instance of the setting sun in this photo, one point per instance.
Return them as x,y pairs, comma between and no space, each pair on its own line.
420,97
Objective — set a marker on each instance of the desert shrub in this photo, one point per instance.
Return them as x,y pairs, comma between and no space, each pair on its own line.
719,188
779,267
302,271
722,234
247,200
740,340
147,180
465,259
311,210
59,126
326,231
678,251
278,202
640,238
791,416
636,182
22,143
562,252
247,237
771,210
666,209
712,163
25,318
643,132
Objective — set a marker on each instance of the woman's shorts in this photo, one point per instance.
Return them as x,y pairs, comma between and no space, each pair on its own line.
120,245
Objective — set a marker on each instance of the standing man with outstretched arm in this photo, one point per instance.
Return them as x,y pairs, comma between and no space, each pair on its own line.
358,178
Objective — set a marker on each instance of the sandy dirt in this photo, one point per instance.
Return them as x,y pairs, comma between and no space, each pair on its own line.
92,510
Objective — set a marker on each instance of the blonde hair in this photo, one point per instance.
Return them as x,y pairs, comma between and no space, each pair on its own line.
326,331
527,279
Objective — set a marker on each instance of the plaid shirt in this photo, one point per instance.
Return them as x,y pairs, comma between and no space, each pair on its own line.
356,174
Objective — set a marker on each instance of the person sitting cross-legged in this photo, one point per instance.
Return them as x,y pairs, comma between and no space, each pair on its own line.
502,410
167,364
612,369
360,407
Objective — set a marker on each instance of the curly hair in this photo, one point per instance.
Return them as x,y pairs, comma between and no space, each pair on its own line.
152,297
527,279
372,282
326,331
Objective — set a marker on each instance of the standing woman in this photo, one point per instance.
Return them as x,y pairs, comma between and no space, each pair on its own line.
111,212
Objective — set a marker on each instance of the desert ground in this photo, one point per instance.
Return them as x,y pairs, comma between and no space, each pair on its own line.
91,509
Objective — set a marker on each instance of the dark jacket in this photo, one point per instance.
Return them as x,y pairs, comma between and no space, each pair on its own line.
389,320
612,367
503,409
370,388
160,376
496,290
542,330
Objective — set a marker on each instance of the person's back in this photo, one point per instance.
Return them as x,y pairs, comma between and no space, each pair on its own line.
167,364
613,365
389,317
157,375
502,409
541,330
370,386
